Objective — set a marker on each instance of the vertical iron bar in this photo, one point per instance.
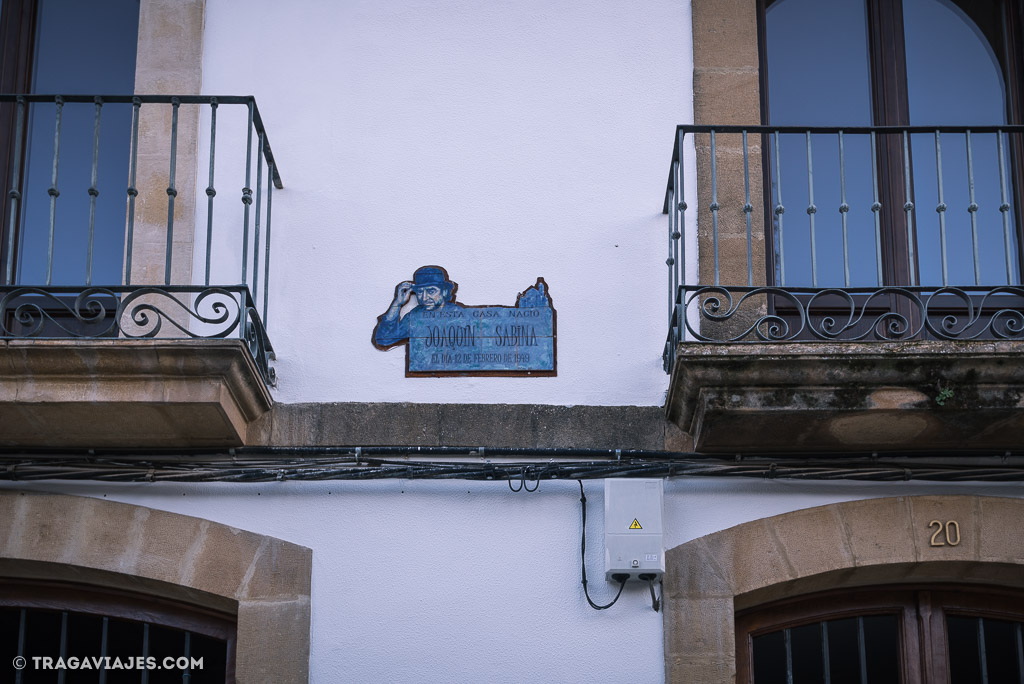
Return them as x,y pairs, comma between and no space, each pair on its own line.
247,196
862,652
673,248
172,192
211,192
876,207
844,209
103,648
680,207
826,661
972,209
53,192
982,654
266,255
186,675
941,209
93,191
256,224
15,193
1020,654
63,645
908,208
789,656
133,192
672,228
669,262
811,210
145,650
747,208
714,207
1004,208
779,210
21,643
243,320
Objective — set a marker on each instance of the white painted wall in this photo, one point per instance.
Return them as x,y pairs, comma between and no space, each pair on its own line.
501,140
430,581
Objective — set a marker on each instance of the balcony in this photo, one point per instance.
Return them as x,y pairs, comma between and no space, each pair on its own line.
854,289
134,303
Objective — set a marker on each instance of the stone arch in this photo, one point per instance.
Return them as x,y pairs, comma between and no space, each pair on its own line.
263,581
856,543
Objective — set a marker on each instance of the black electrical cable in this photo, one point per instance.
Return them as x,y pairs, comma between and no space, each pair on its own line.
655,599
621,578
306,465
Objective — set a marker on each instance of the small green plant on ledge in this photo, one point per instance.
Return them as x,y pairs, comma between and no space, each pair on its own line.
944,395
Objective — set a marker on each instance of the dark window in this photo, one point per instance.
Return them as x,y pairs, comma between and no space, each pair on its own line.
49,620
885,636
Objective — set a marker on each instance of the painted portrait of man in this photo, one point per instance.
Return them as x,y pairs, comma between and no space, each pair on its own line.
433,291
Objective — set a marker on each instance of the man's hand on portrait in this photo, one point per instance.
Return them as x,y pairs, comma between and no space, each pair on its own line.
402,292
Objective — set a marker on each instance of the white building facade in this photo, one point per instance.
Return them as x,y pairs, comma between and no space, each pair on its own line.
298,487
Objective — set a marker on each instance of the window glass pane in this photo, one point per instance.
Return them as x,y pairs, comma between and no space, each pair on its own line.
807,656
81,48
964,658
818,74
85,638
818,69
882,648
9,618
989,229
770,658
42,639
832,254
165,643
214,654
843,651
1001,655
124,640
954,78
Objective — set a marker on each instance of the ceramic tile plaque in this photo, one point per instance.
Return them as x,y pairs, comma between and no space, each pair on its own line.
445,337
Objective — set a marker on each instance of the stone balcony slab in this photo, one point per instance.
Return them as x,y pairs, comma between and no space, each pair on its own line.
128,393
848,396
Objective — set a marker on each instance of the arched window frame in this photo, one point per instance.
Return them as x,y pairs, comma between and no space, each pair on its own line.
862,543
264,582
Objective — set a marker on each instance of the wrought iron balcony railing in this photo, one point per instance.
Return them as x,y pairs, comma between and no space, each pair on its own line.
103,224
902,233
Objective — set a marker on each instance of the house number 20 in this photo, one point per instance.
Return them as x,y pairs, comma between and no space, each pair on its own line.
945,534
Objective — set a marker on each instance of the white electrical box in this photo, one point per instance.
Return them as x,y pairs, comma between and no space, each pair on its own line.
632,528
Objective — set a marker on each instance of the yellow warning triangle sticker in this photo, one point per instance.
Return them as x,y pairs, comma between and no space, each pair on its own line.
635,525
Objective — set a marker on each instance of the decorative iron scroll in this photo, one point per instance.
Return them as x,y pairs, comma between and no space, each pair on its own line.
136,312
259,345
39,312
776,314
143,312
